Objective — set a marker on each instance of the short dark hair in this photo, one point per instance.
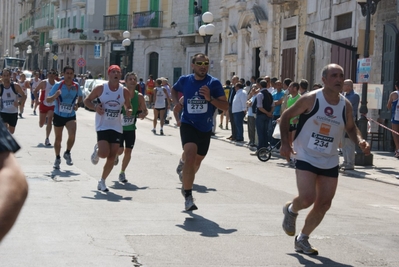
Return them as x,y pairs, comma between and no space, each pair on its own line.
273,80
304,84
193,58
67,67
228,82
287,81
263,83
295,84
239,85
6,69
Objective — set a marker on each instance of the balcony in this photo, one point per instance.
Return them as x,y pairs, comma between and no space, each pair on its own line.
80,3
117,23
148,20
87,36
61,35
55,2
44,24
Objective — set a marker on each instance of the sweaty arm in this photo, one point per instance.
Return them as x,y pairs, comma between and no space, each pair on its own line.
304,104
352,130
21,92
95,93
128,104
41,86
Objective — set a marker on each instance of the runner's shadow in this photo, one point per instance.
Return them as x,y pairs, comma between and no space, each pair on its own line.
204,226
62,174
127,187
323,261
109,196
202,189
43,145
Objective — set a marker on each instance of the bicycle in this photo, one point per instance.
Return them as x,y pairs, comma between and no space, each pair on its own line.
265,153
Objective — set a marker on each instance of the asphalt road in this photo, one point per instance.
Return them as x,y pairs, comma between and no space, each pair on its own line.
67,222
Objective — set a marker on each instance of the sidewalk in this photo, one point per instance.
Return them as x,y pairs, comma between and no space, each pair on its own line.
384,169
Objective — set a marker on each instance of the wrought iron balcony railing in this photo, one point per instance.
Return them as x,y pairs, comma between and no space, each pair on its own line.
117,22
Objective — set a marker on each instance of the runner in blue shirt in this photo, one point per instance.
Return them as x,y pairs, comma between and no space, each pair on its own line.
67,96
202,95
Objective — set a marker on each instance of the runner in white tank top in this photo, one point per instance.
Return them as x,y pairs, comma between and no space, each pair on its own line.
324,116
46,109
24,84
112,96
34,83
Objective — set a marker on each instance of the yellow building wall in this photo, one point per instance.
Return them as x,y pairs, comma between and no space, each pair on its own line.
112,7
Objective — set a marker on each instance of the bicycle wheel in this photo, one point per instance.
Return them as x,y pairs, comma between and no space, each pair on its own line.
264,154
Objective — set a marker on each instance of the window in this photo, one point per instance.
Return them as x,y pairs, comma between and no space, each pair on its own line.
343,22
290,33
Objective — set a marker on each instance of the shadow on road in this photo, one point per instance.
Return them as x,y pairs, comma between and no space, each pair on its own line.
62,174
127,187
204,226
202,189
319,260
109,196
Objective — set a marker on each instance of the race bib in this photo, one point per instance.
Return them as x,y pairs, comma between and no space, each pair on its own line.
66,108
112,114
396,117
8,103
127,120
197,106
321,141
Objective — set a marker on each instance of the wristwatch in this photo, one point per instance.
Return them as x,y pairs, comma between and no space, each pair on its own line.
211,100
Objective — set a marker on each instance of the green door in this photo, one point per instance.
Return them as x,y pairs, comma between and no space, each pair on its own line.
123,16
154,7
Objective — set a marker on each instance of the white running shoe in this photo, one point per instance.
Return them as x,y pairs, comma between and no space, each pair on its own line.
122,177
47,142
94,156
101,186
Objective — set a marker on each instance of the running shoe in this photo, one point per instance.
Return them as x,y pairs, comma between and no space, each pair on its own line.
57,163
101,186
154,131
34,112
189,204
67,157
94,156
303,246
289,220
161,132
116,160
179,166
20,115
47,142
122,177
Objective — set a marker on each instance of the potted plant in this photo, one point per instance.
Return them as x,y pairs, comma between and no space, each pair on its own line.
12,36
96,31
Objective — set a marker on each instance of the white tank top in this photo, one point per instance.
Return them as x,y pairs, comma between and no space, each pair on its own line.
8,99
319,133
22,84
46,93
35,84
112,103
160,100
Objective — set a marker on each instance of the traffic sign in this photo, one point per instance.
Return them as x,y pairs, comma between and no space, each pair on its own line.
81,62
363,70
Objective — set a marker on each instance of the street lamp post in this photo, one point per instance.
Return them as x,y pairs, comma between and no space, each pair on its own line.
126,43
368,8
207,30
29,52
47,51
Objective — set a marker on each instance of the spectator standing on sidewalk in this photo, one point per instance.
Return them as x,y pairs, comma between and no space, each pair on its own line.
67,96
239,109
394,107
202,95
348,146
232,93
251,118
324,115
112,96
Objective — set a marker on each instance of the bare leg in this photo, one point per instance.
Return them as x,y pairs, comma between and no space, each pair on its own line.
58,139
395,127
192,162
109,164
71,127
13,191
